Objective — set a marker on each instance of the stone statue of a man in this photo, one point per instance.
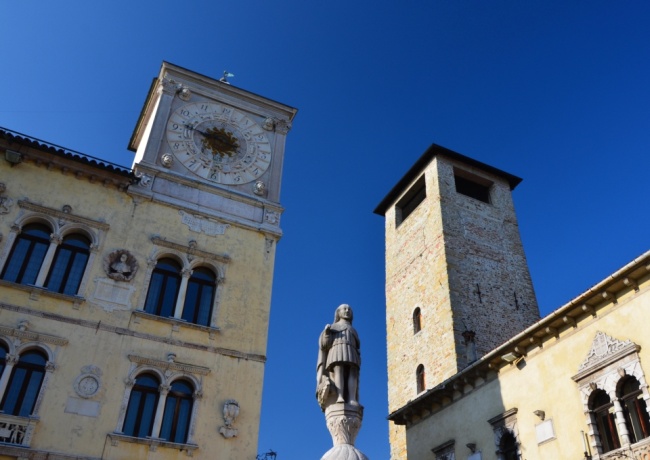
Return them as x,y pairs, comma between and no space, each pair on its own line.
339,359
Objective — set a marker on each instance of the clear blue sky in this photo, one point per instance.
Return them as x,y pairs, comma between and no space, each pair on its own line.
556,92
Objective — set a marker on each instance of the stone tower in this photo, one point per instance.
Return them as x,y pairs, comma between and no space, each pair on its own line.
457,281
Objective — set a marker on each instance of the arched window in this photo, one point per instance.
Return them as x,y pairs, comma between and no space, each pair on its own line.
199,297
24,384
163,288
69,264
419,377
634,409
417,320
27,255
178,410
508,446
603,409
141,410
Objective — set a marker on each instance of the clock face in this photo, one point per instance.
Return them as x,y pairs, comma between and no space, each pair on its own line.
218,143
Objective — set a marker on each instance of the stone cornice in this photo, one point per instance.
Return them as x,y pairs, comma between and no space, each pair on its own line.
596,300
174,366
158,241
32,336
100,326
68,161
24,204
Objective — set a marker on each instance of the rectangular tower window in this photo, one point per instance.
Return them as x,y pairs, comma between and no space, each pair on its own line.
410,201
472,186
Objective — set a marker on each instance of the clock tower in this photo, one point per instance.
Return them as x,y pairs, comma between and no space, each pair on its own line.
209,159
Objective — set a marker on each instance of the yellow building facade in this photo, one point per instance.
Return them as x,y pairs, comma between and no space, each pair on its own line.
570,385
134,304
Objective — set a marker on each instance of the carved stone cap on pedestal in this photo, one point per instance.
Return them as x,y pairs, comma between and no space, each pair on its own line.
344,422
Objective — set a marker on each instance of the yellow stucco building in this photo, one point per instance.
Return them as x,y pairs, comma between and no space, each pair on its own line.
473,372
134,304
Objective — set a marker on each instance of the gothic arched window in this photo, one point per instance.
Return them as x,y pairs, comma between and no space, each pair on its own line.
178,410
603,409
69,264
199,297
27,255
24,384
163,288
141,410
417,320
634,409
419,377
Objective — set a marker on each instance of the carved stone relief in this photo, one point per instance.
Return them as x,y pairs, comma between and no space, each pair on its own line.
602,347
202,225
120,265
6,203
167,160
88,383
230,414
259,188
272,217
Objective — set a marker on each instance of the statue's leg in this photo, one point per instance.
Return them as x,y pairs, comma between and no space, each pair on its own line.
353,382
339,382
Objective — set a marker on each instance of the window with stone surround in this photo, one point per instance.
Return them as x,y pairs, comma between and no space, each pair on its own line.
183,284
635,408
26,365
506,435
160,402
615,396
411,200
602,408
50,249
27,254
445,451
420,379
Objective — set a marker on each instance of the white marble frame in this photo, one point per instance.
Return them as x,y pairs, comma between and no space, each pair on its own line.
188,264
60,228
167,378
606,372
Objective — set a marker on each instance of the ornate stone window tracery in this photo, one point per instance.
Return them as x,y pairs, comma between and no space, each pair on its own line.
183,283
26,366
612,372
50,249
160,402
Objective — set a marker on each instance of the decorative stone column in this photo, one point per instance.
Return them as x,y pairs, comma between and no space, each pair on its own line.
11,361
157,421
182,292
620,422
55,241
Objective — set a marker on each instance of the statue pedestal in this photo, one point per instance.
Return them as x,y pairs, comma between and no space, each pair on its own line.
344,422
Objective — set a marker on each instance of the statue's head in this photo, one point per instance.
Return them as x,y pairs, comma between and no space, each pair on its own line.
344,311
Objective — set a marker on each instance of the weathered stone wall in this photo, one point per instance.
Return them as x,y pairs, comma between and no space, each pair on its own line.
438,259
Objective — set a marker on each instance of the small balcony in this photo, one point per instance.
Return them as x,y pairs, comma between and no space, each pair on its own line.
16,430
